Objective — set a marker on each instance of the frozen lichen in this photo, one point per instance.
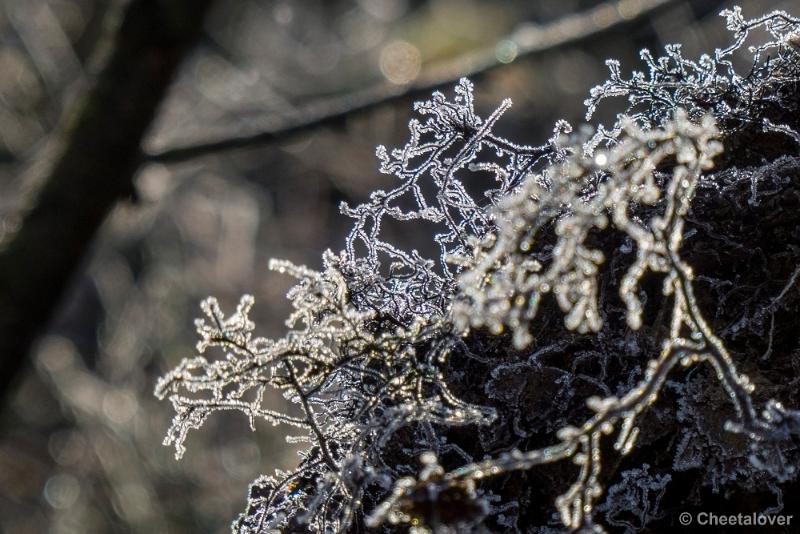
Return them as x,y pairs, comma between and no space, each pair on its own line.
390,355
451,146
712,84
635,501
505,283
353,379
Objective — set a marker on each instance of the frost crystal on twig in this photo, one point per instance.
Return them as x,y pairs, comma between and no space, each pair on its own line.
711,84
452,141
353,380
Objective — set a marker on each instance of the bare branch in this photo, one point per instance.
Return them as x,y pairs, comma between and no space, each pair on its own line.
530,40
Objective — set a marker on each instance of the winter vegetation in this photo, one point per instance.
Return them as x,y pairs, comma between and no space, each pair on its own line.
605,337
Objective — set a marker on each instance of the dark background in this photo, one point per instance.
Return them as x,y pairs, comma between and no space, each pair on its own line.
80,432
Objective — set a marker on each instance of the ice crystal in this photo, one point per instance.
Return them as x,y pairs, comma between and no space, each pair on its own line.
712,83
451,141
354,381
506,283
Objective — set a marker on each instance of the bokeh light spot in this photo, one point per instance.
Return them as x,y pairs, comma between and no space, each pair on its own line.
61,491
506,51
400,62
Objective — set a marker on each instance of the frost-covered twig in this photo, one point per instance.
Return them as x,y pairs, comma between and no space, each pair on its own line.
353,381
453,140
712,84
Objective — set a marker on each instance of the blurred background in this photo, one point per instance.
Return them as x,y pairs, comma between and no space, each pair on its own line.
81,433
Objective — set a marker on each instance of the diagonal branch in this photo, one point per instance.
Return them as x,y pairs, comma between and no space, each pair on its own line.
530,40
98,155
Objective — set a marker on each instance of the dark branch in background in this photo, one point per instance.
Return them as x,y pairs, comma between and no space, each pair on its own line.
531,40
99,154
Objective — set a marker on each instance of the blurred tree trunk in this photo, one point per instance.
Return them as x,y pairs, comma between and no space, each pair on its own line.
99,147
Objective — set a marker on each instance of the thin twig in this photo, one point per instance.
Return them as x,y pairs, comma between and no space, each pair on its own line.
530,40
